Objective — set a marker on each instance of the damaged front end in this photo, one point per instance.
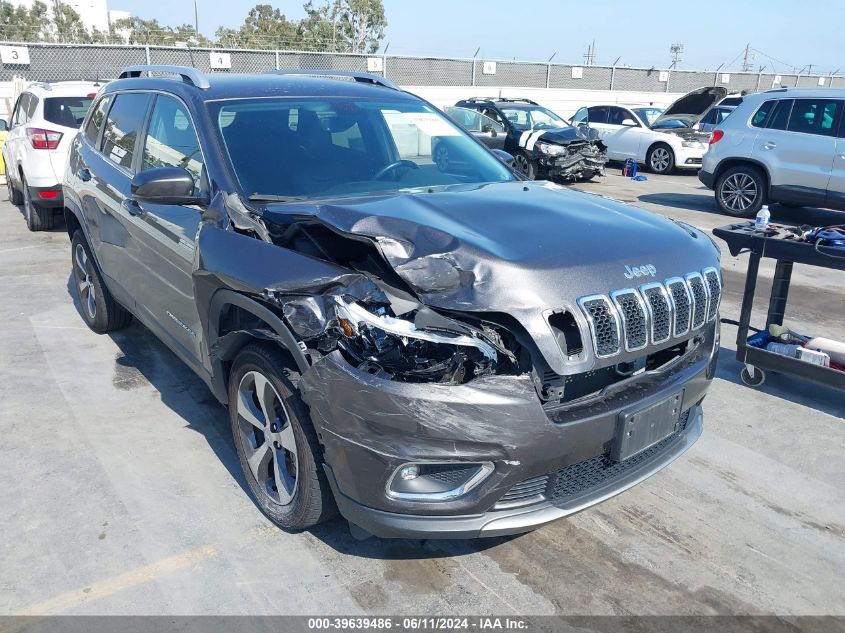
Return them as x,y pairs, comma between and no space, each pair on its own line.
574,160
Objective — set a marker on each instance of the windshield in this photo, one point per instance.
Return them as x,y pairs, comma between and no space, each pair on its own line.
67,111
649,115
532,117
283,148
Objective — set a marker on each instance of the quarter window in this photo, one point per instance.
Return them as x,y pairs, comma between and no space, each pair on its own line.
20,111
814,116
171,140
125,119
763,111
92,129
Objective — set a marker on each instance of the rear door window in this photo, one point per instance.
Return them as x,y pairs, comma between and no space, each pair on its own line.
92,130
125,119
780,115
815,116
66,111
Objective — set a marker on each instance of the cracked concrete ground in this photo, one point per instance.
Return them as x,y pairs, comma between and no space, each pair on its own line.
121,492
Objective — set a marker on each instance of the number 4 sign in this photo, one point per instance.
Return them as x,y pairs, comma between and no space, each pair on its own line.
14,55
220,61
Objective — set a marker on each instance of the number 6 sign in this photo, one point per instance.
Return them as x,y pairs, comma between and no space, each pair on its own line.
220,60
14,55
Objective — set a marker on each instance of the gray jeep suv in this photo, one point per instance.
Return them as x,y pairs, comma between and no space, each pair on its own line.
435,348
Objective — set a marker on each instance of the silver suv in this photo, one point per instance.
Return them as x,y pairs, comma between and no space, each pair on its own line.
785,146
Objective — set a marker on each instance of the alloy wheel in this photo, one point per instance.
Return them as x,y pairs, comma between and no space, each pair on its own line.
267,437
522,165
660,159
84,282
27,204
738,192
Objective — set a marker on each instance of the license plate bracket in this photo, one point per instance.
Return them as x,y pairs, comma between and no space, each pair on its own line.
637,431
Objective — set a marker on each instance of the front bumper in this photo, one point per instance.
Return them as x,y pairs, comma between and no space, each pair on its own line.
589,160
369,427
689,158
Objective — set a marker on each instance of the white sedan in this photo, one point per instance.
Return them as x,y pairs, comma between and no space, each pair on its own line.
665,142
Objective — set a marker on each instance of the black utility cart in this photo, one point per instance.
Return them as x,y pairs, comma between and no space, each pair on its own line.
787,248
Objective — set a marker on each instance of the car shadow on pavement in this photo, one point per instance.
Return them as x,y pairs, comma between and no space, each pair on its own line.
686,201
783,386
144,360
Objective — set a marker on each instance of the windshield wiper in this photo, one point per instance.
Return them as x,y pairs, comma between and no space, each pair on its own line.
269,197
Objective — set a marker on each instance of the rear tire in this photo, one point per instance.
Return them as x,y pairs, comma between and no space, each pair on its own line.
277,444
37,217
741,191
660,159
99,309
15,196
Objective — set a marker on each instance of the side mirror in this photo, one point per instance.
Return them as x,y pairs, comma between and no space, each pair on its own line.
487,128
4,125
165,185
503,156
629,123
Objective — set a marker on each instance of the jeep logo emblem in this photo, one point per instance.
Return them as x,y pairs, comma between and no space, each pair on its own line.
640,271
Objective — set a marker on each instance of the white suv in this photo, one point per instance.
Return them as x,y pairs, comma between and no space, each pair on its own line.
44,122
785,145
664,142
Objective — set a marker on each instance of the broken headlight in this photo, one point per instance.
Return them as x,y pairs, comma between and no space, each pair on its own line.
551,150
396,348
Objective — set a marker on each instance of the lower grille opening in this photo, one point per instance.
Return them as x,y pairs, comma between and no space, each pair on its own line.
574,480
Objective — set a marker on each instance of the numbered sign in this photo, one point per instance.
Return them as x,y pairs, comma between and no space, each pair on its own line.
15,55
821,81
489,68
577,72
375,64
663,76
220,61
726,78
776,81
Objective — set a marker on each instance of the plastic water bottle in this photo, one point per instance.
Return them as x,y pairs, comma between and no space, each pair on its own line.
785,349
763,217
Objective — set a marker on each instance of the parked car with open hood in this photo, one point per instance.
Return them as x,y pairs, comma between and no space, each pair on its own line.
44,122
543,144
434,349
667,142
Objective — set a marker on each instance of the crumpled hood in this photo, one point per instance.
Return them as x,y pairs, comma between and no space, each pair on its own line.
558,136
520,248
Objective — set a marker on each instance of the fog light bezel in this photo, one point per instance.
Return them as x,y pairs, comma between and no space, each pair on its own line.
483,471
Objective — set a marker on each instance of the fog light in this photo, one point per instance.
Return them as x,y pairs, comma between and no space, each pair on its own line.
409,472
436,481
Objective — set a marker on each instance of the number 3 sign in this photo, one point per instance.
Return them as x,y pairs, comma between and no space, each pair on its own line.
14,55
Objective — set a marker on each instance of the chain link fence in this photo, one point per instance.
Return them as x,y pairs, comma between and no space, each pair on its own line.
58,62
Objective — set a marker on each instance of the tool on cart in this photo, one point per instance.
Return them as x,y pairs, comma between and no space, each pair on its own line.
809,359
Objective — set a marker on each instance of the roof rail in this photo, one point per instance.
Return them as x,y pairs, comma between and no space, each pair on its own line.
366,78
189,75
500,100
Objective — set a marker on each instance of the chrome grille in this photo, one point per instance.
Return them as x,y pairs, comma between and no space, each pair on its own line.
679,294
634,324
714,287
630,319
660,312
604,323
699,299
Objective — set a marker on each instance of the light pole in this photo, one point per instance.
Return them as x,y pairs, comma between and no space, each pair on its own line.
196,21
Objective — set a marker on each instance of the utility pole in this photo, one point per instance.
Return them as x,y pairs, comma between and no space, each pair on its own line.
747,66
196,21
590,55
675,50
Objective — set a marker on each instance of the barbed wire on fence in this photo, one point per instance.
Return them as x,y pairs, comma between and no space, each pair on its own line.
61,61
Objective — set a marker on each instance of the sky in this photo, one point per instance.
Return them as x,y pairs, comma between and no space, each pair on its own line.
782,34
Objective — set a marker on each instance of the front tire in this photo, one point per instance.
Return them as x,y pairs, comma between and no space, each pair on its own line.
661,159
277,444
99,309
741,191
37,217
524,165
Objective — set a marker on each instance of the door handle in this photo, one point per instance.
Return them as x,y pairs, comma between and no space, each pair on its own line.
84,174
131,206
769,145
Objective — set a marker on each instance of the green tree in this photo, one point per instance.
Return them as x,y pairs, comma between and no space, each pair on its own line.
19,24
266,27
69,26
361,24
145,32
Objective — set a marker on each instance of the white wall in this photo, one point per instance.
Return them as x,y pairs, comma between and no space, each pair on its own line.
563,102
